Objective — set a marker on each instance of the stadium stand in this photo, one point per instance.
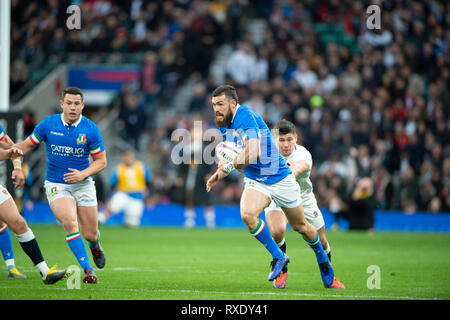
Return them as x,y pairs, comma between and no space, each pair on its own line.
367,102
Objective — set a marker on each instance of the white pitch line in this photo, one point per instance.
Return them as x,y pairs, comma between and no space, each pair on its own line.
255,293
294,294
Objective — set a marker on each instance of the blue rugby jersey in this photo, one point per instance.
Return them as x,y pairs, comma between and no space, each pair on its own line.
68,145
247,124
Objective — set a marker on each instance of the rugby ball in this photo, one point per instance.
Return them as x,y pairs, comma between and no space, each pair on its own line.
227,151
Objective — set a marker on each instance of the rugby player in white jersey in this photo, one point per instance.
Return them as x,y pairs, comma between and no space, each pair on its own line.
299,160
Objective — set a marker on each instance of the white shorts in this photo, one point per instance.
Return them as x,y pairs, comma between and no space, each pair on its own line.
4,194
285,193
132,207
312,211
83,192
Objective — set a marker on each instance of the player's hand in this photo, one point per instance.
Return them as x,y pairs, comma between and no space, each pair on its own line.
219,174
212,181
18,177
14,152
74,176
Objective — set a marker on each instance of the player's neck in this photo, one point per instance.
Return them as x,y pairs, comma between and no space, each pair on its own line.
234,110
71,122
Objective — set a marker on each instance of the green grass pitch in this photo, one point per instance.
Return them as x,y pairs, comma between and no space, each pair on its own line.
229,264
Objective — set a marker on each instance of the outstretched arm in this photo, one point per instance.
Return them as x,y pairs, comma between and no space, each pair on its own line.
26,146
10,153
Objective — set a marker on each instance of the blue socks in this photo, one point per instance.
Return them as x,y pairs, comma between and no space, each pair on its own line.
6,244
78,248
263,235
316,245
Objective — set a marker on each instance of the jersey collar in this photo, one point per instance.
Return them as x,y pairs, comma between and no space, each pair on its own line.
237,107
68,124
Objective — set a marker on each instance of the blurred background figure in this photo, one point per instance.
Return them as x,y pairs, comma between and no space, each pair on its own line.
358,208
191,181
130,183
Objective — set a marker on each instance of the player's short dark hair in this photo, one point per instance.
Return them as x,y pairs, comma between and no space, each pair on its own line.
285,127
72,90
229,91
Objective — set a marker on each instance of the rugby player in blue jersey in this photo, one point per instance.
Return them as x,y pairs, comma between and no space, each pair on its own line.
70,139
11,218
267,178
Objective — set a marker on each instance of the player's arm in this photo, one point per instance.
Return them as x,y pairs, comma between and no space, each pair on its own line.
4,145
299,167
249,155
3,153
26,146
17,175
98,164
10,153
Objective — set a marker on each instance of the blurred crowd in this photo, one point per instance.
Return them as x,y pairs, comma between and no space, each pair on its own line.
369,103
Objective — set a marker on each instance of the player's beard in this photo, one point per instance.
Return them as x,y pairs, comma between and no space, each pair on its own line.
226,118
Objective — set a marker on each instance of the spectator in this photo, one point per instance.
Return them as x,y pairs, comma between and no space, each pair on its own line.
241,64
304,76
131,119
151,78
358,208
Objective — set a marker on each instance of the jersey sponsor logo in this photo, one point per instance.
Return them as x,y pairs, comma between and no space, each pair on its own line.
57,133
65,151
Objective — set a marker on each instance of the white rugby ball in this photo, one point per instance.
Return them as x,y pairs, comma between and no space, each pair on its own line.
227,151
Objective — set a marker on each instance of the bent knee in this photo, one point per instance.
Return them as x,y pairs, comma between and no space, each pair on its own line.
18,225
301,227
69,223
90,235
278,233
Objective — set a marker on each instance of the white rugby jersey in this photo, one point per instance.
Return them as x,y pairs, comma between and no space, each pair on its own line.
301,153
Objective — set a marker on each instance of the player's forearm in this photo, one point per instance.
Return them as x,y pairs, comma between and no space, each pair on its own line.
249,155
3,154
26,146
95,167
299,167
4,145
8,143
